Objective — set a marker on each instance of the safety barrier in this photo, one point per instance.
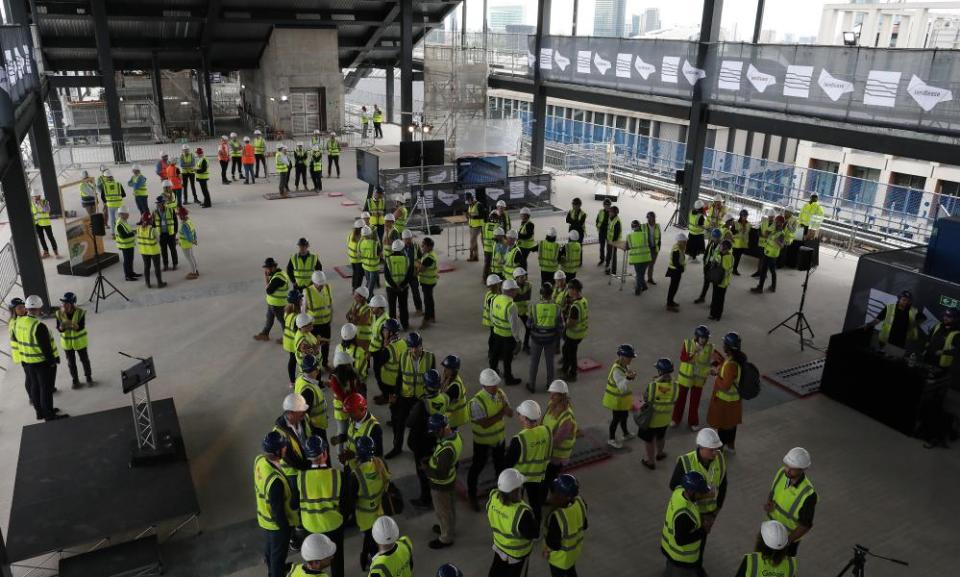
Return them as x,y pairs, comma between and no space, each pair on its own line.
9,279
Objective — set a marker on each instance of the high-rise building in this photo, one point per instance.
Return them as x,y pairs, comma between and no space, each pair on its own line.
500,17
635,26
650,20
609,18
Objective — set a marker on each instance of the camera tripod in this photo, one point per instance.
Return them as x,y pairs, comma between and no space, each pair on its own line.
797,322
859,561
99,286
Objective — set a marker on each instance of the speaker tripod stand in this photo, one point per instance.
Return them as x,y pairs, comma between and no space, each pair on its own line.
99,291
797,322
674,219
857,565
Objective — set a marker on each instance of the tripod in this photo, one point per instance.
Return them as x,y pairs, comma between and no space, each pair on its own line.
797,322
859,561
99,289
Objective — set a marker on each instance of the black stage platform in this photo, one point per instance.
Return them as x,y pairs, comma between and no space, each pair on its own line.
74,486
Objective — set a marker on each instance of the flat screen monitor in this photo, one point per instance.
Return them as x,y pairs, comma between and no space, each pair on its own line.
368,167
481,169
432,151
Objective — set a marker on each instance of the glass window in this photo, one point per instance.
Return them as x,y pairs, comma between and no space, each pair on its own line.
621,122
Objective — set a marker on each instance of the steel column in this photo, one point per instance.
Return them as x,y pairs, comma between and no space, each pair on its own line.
158,92
105,58
205,88
406,69
537,146
390,74
697,126
576,10
43,160
758,24
56,109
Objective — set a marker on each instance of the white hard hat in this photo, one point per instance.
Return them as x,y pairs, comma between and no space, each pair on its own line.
295,402
123,210
509,285
362,291
559,275
107,172
303,319
223,137
358,223
512,233
574,236
378,302
245,139
530,409
34,192
681,237
364,214
488,378
348,332
708,439
282,147
797,458
406,234
493,280
255,132
316,131
333,135
165,184
319,277
501,204
498,231
233,135
397,246
316,148
769,212
299,145
135,167
317,547
510,480
698,204
390,217
184,147
774,534
34,302
559,386
342,358
366,231
519,272
385,531
525,211
551,231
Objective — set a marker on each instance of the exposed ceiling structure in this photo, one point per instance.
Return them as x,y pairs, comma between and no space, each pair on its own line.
231,33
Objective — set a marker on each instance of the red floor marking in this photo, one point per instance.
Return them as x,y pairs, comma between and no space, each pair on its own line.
334,194
344,271
348,203
587,364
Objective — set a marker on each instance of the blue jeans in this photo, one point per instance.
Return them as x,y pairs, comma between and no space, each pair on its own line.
143,204
113,217
372,280
178,192
248,173
640,270
275,552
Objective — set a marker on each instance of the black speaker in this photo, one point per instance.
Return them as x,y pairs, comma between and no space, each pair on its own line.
97,225
805,258
678,177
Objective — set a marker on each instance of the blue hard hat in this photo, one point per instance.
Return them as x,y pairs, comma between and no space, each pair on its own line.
664,365
626,351
566,485
274,442
431,380
701,332
392,325
309,364
365,448
17,301
414,340
69,298
436,422
732,340
314,447
160,199
451,362
694,482
716,233
449,570
293,296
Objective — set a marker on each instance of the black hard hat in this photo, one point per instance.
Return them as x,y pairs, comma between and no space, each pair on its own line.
269,262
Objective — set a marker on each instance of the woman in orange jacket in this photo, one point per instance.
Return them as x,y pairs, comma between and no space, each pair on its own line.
223,155
248,159
726,409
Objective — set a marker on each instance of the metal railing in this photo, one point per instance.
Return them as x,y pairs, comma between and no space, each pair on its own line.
505,53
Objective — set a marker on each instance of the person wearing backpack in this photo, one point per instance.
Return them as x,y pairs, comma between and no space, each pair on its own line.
726,410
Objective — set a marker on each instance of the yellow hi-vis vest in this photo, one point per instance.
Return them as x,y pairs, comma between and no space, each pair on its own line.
527,243
759,566
128,238
361,361
14,345
572,520
320,499
370,254
319,303
289,332
398,563
714,475
457,412
487,237
376,332
390,371
638,251
578,330
41,216
536,445
500,315
428,275
333,147
411,373
946,360
71,339
494,434
303,268
693,224
377,208
548,254
613,399
456,445
354,432
353,249
474,218
563,449
694,373
112,194
887,323
282,162
147,242
504,520
265,474
318,410
572,257
811,215
679,505
733,393
487,301
27,342
278,298
259,145
788,499
372,478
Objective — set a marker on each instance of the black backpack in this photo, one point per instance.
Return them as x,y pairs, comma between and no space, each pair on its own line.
749,381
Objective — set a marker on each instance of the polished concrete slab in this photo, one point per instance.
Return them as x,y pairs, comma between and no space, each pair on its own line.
877,487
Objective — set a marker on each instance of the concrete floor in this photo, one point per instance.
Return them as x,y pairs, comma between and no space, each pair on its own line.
874,484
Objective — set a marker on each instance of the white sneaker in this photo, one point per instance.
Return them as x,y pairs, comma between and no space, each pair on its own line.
673,424
695,428
629,436
615,444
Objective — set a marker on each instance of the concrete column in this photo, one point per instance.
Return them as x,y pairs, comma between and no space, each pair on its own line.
56,108
388,109
43,159
102,35
406,69
537,140
157,81
697,126
576,10
208,92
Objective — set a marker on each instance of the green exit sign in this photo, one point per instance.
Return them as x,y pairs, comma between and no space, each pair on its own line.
949,302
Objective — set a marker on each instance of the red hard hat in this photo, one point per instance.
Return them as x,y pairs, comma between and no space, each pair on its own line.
355,403
199,151
146,219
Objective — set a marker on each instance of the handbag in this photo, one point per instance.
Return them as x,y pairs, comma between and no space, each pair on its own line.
714,272
643,415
